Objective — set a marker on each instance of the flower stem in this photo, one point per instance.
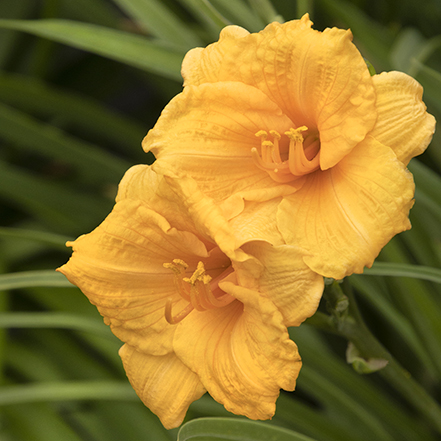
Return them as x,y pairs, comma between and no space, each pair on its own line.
350,325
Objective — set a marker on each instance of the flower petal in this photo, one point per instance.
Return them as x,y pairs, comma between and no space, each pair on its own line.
403,123
207,132
183,204
165,385
201,65
241,352
345,215
288,282
119,267
180,201
257,222
318,79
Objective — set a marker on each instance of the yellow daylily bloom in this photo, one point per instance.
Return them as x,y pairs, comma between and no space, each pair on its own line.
287,126
196,312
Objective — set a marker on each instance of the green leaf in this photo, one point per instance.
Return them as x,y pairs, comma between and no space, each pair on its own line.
407,45
127,48
431,81
51,239
27,279
233,429
58,320
303,7
25,422
266,11
428,185
70,111
92,163
429,47
53,203
291,413
239,13
62,391
12,9
155,17
208,15
418,301
375,291
356,405
404,270
100,12
127,421
375,38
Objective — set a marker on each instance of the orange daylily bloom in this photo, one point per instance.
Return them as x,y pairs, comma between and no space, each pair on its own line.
196,312
291,117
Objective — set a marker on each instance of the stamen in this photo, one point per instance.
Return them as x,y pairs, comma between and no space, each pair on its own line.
173,320
303,155
299,164
276,151
178,266
199,290
270,160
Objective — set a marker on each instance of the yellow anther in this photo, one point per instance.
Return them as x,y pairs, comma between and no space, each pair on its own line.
296,134
199,290
178,266
262,134
198,275
275,135
287,163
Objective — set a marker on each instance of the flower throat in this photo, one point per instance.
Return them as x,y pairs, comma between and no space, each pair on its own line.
200,290
303,154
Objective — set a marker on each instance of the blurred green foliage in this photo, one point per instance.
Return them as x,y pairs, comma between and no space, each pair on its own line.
81,83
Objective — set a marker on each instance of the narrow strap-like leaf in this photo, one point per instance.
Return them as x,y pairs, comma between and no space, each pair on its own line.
56,391
155,17
127,48
233,429
404,270
26,279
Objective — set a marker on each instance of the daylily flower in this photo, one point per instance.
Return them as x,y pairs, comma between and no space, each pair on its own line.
290,117
196,312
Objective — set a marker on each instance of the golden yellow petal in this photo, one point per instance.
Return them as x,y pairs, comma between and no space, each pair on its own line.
170,199
119,267
345,215
140,183
242,352
287,281
318,79
202,65
182,203
257,222
207,132
403,123
216,62
165,385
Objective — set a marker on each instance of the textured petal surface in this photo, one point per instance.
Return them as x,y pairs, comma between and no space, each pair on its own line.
403,123
206,65
183,204
165,385
180,201
344,216
318,79
207,132
257,221
119,267
288,282
242,353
